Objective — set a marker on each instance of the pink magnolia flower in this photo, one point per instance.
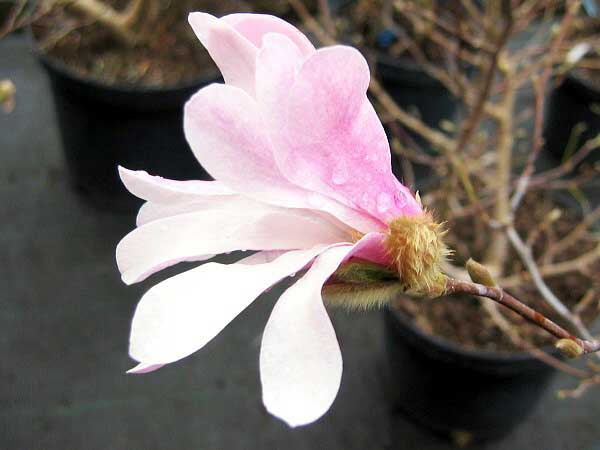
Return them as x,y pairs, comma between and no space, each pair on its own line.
303,174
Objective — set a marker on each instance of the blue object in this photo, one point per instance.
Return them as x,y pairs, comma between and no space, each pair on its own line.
591,7
386,38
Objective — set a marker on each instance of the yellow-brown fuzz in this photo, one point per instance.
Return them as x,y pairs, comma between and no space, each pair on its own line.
416,246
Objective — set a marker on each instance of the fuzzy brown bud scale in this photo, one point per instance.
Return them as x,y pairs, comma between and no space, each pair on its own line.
416,246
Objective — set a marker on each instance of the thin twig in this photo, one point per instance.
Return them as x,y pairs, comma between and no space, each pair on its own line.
502,297
540,88
526,256
555,269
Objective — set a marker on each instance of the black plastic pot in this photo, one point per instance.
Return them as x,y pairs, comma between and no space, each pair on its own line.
105,126
570,103
417,92
449,389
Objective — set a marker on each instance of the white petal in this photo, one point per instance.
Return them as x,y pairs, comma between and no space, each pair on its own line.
300,359
193,236
232,53
161,190
180,315
150,211
262,257
144,368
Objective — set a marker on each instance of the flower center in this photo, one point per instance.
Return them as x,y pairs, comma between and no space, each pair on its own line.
416,246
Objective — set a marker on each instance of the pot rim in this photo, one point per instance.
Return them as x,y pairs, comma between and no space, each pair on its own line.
584,85
455,349
65,71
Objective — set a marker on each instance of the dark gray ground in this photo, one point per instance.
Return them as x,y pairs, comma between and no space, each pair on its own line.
64,321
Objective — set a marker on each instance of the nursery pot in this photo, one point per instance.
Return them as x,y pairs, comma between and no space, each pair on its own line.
419,93
570,103
104,126
448,389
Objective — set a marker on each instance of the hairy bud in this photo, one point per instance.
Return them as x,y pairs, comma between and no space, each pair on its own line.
418,250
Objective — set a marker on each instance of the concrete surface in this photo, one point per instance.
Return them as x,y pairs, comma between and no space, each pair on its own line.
65,315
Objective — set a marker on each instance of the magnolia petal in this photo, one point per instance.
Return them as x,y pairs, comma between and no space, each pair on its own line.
161,190
262,257
199,235
232,53
142,368
372,248
150,211
254,26
300,359
345,155
277,64
179,316
226,131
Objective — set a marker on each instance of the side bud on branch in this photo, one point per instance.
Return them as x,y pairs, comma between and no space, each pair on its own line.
7,95
479,273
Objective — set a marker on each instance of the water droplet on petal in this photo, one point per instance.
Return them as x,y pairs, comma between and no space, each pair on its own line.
364,201
384,202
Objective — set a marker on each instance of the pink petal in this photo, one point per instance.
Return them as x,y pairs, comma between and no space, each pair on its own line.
300,359
372,248
180,315
226,131
277,64
197,236
142,368
234,54
254,26
345,154
162,190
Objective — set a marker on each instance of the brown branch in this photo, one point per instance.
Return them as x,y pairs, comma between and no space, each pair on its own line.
326,17
567,166
501,322
577,233
502,297
436,138
526,256
540,88
550,270
121,24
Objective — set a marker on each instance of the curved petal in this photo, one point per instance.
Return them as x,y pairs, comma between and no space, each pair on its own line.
142,368
262,257
300,359
372,248
179,316
232,53
149,212
277,64
254,26
226,131
345,155
161,190
197,236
